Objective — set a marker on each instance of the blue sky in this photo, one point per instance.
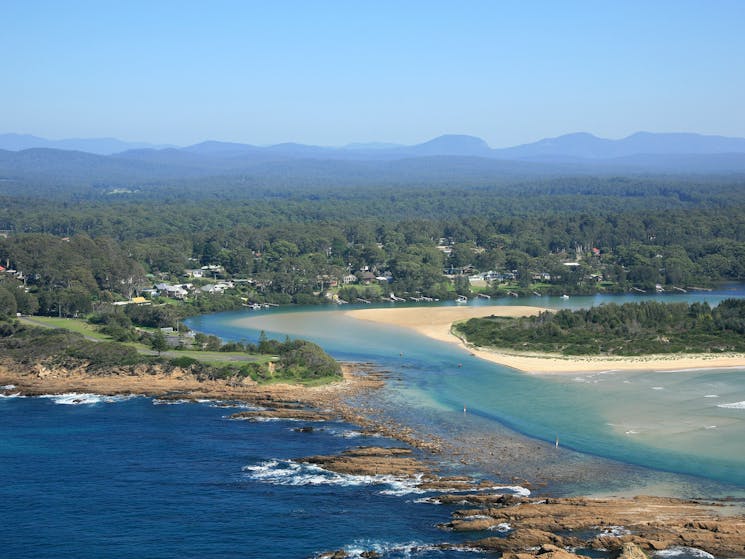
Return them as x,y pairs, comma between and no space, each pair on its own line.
333,72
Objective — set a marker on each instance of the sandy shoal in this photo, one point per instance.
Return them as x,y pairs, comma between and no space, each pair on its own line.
436,323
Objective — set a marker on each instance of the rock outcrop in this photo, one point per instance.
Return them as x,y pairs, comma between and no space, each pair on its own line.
624,526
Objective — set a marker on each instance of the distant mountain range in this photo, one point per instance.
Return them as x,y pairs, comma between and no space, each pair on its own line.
580,145
446,158
99,146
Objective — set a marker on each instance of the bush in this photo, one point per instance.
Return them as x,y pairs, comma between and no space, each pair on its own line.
184,362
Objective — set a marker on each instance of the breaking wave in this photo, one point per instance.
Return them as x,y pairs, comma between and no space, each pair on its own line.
733,405
684,552
395,550
289,472
82,399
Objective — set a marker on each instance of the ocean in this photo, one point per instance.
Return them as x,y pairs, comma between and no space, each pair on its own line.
116,477
88,476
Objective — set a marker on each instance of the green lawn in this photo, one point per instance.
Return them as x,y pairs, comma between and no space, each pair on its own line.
73,324
219,357
91,331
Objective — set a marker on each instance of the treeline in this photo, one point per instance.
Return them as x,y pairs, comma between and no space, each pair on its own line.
295,241
647,327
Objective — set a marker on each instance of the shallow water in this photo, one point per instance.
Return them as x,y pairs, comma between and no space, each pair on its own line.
687,422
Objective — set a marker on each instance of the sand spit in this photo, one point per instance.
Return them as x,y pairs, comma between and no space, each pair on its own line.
436,323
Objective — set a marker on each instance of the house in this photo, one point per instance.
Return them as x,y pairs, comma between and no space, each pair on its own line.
195,273
349,278
212,270
366,277
176,291
133,301
216,288
173,291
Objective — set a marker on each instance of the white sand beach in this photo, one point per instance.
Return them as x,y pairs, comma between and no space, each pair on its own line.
436,323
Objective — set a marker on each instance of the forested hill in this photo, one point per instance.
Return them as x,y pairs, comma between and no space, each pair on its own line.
629,329
220,168
314,230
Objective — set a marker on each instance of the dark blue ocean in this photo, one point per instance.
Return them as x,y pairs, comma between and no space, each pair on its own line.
135,479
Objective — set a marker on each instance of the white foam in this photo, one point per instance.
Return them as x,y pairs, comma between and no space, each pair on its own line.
81,399
710,427
7,387
406,549
428,500
711,396
164,402
502,528
516,489
260,419
352,434
632,432
614,531
387,549
687,551
9,396
658,388
289,472
734,405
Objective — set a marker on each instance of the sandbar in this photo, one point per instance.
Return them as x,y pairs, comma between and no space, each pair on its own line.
436,323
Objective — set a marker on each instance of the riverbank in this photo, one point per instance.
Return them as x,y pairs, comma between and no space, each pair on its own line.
436,323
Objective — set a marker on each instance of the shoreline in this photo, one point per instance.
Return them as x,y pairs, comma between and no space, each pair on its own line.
38,380
717,528
436,323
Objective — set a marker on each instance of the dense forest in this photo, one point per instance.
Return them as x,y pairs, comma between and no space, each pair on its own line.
630,329
73,249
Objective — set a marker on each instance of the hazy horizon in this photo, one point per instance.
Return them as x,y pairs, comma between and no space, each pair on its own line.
336,73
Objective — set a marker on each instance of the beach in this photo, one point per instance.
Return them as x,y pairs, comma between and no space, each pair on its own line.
436,323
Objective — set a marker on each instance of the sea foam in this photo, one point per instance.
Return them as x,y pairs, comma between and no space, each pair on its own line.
409,549
289,472
733,405
80,399
684,552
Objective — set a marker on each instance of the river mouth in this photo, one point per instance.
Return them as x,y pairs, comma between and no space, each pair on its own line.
674,433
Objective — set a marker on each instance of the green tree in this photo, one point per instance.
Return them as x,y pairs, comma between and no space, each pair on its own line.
158,342
8,305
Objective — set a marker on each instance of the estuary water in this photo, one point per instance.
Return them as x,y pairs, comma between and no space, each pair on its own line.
680,432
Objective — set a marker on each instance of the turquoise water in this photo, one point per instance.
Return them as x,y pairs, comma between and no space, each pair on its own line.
683,431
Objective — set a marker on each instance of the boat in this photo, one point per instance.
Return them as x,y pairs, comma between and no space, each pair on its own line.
565,296
461,299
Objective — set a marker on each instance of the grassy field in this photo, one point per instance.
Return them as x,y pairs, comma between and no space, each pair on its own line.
91,332
72,324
